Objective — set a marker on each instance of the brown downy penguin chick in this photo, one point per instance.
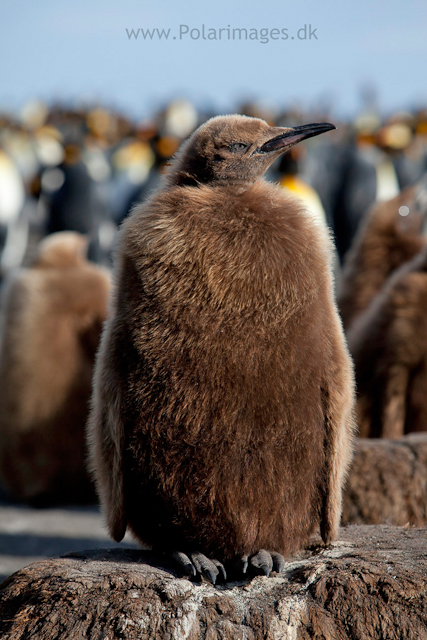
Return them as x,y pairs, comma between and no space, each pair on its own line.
222,420
389,346
52,320
391,234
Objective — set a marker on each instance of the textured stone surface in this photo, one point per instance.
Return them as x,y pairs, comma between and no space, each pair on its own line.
388,482
372,583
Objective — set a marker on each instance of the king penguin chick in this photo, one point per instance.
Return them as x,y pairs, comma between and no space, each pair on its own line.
222,414
388,343
392,233
52,319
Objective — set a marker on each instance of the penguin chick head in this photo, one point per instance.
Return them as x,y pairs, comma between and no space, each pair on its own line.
235,149
61,250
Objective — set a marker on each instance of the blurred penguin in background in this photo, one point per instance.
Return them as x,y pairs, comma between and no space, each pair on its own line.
350,174
405,147
368,176
12,198
391,234
149,156
52,319
77,205
389,347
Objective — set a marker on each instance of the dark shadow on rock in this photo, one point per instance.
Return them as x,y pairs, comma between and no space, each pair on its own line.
153,559
17,544
49,501
119,555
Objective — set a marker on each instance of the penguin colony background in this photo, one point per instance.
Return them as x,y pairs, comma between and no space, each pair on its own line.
222,415
383,304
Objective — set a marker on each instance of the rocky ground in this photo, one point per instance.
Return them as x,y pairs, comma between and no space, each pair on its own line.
371,584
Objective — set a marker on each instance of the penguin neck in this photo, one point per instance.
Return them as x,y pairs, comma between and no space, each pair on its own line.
183,179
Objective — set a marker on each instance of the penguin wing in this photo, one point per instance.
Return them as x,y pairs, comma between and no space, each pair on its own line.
106,437
340,426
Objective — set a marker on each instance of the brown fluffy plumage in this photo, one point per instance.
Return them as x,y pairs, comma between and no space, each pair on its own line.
386,240
223,393
52,323
389,346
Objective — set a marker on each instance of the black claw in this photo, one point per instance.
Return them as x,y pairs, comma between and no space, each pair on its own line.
209,575
184,562
221,568
278,562
244,561
239,566
265,569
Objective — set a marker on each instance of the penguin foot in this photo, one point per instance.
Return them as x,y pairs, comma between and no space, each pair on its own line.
197,564
260,564
264,562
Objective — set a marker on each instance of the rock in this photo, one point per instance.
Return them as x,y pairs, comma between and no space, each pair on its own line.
371,583
388,482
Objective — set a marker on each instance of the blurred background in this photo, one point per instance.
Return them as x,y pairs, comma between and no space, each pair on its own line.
95,98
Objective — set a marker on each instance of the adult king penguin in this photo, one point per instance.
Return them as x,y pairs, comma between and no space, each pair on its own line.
222,414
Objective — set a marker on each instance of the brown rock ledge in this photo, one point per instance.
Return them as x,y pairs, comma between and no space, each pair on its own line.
388,482
372,583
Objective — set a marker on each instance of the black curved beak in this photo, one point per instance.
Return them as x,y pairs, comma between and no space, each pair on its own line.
295,135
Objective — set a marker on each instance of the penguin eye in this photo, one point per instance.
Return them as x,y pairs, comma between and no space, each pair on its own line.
237,146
